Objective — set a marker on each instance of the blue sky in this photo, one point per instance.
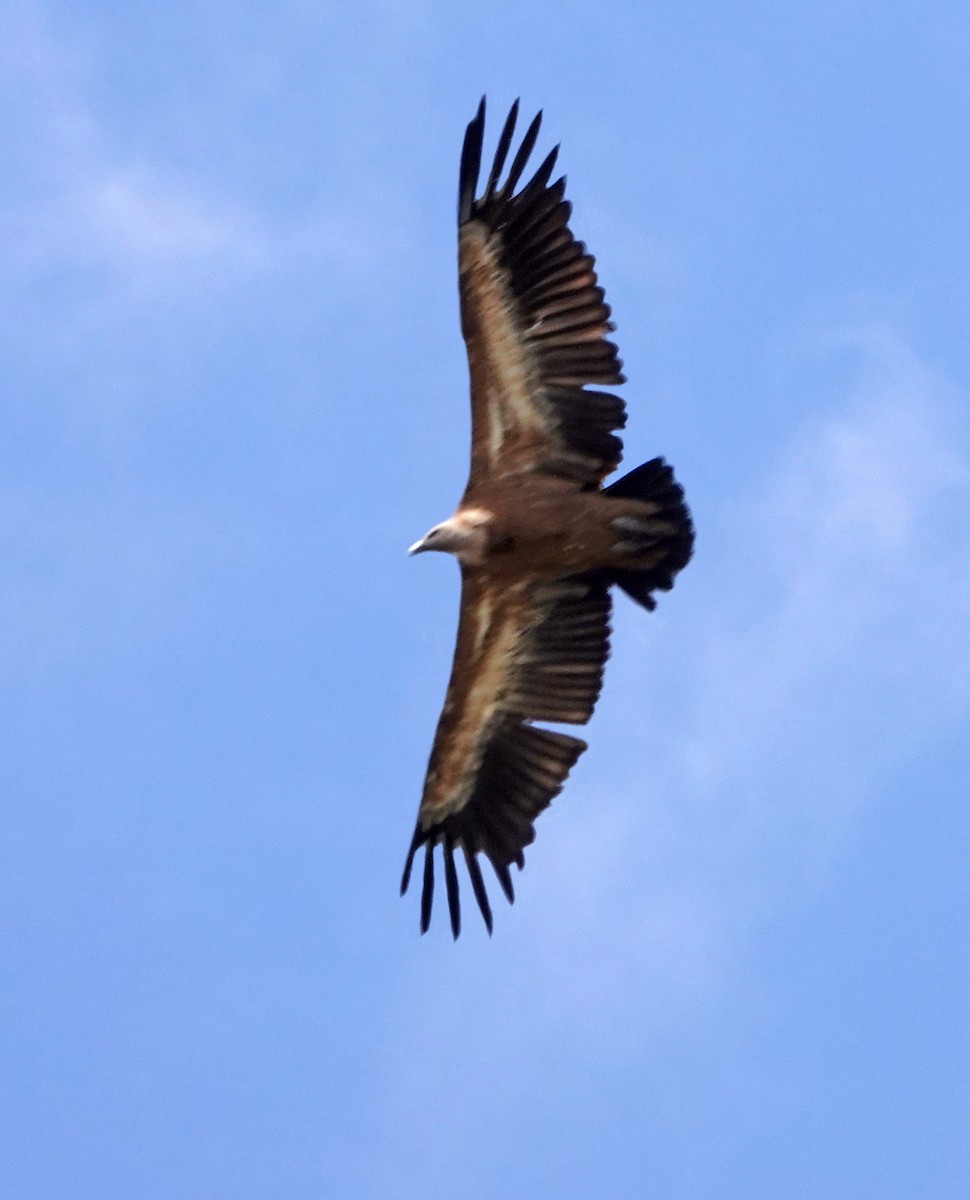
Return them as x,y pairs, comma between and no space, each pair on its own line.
233,393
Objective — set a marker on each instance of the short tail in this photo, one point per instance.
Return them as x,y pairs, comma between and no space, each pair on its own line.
654,482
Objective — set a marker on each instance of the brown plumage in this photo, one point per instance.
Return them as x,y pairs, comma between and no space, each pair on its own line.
540,541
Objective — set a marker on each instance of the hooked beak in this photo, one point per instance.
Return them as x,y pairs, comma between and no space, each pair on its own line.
418,546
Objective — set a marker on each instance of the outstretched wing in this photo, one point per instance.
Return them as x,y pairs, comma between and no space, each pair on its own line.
525,652
534,322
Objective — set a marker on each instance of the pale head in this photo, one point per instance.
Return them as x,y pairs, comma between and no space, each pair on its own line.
465,535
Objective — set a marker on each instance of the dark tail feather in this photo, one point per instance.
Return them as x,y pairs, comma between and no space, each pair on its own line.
654,482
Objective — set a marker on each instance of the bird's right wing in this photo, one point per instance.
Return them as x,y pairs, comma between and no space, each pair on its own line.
525,652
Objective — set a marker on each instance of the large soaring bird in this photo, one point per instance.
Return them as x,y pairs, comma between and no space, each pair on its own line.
539,539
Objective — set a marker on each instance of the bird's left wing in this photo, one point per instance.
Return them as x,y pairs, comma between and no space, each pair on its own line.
525,652
534,321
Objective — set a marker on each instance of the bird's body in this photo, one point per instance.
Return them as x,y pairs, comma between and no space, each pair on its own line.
539,539
539,526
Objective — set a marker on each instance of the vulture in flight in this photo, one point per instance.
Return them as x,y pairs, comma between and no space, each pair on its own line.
539,539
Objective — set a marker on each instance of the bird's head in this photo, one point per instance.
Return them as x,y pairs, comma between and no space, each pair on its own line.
465,535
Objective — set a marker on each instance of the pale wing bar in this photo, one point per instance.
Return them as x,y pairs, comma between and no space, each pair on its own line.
547,282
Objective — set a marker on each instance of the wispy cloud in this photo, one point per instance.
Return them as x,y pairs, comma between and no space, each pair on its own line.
842,569
79,198
830,617
136,220
115,259
134,216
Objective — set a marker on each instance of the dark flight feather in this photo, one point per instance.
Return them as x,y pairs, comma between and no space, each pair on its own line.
471,162
504,141
521,155
451,882
427,890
